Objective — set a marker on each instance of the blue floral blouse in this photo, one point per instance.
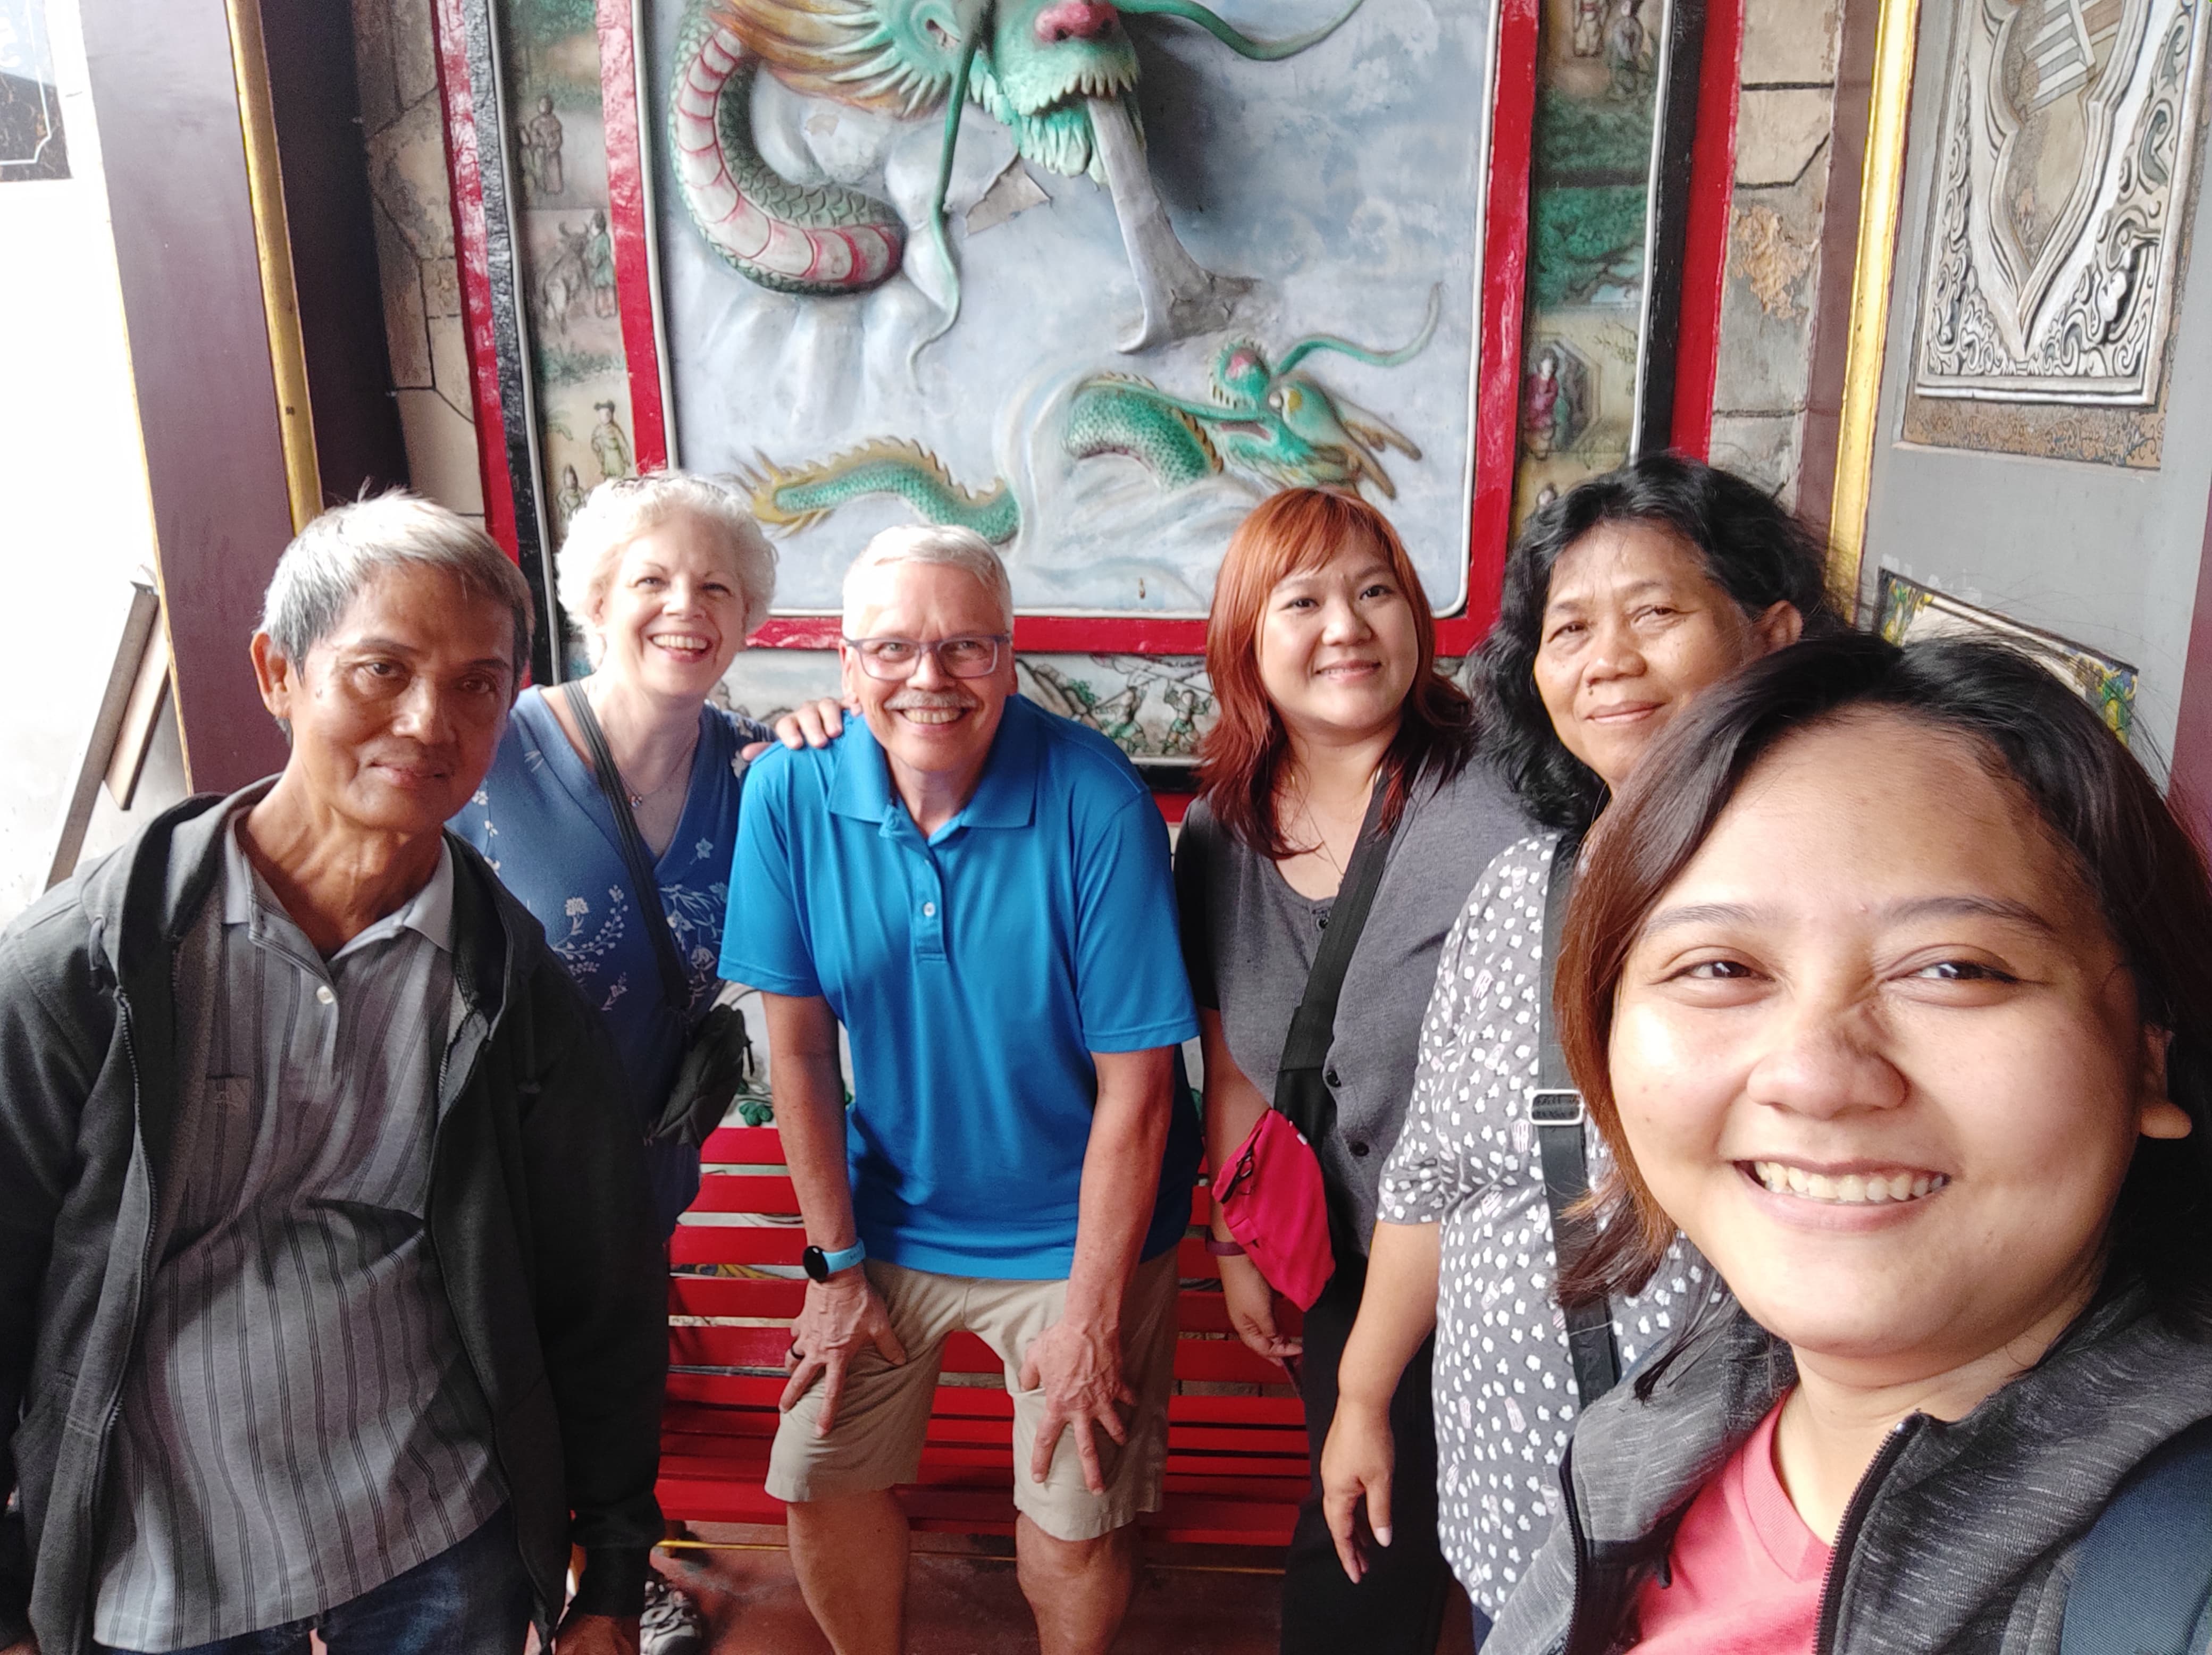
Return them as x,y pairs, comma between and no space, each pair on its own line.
545,828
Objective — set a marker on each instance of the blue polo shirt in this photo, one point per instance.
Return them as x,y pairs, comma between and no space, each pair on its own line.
975,972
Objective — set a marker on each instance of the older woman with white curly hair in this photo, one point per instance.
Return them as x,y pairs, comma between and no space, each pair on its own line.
665,575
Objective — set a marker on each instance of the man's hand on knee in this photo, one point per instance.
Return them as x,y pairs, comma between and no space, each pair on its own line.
1078,1366
840,1317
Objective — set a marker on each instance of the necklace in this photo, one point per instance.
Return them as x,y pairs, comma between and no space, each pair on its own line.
1321,839
681,768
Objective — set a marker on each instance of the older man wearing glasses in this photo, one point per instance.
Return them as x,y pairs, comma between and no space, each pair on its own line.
979,891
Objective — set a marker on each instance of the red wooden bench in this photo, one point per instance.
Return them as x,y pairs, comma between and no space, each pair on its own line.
1236,1462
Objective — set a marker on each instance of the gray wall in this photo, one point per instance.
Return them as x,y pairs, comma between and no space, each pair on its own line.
2103,554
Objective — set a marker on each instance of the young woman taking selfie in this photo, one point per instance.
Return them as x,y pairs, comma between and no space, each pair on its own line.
1888,981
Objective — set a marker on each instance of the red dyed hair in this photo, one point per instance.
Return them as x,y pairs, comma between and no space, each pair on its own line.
1242,755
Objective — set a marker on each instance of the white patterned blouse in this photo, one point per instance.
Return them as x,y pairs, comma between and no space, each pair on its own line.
1468,1159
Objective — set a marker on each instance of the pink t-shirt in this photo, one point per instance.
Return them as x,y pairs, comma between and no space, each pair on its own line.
1748,1573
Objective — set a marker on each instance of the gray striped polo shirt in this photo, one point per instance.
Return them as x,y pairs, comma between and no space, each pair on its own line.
299,1424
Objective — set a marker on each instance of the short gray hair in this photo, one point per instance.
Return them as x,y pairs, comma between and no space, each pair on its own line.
334,557
617,512
932,543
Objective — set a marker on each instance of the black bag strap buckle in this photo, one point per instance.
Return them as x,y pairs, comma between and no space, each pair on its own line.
1555,1105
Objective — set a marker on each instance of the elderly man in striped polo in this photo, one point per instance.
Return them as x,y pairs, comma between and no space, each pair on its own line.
328,1295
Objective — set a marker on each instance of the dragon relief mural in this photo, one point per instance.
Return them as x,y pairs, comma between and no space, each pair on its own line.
1271,421
1060,76
1089,278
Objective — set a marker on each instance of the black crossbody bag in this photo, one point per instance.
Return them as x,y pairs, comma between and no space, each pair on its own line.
1302,1093
1275,1197
717,1052
1555,1109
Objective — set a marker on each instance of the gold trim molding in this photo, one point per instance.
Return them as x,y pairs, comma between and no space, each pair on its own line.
280,299
1881,187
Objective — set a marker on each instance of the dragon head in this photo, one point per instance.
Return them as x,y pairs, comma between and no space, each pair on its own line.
1241,373
1044,62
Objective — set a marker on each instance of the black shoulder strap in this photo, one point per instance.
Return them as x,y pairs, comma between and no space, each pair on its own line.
643,886
1306,1047
2143,1580
1555,1108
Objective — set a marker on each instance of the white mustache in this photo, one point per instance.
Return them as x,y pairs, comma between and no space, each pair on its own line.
927,699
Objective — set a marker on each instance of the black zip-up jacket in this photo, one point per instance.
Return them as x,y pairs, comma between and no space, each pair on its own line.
1961,1536
538,1218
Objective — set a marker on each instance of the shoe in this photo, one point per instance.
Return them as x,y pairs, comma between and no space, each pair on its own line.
671,1624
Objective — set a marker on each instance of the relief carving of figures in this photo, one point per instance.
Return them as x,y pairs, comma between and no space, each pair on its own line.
1589,27
2066,135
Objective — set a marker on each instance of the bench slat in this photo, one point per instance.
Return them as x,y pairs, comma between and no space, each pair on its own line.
1219,1360
741,1393
1202,1309
1193,1520
743,1146
730,1193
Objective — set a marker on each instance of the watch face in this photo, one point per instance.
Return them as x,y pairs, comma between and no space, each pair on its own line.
816,1263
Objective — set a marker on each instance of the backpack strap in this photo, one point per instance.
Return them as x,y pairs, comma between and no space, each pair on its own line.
2142,1578
1555,1108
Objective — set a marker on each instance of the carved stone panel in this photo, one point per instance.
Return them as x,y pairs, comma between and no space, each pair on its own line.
2057,230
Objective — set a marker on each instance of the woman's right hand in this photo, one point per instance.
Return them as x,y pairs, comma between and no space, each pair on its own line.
1355,1464
1252,1311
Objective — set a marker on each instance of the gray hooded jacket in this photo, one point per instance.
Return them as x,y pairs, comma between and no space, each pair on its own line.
1961,1536
537,1211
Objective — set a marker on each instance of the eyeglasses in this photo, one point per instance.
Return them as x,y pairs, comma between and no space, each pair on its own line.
894,660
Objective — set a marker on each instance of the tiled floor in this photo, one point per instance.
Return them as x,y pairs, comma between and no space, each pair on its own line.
963,1599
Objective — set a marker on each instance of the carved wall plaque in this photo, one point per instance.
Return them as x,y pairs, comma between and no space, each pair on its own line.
2058,227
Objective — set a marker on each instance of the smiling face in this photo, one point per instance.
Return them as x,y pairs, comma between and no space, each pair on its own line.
395,716
1634,627
1338,646
932,724
672,617
1877,1054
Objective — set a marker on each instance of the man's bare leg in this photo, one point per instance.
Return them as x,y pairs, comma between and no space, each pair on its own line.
1079,1589
850,1554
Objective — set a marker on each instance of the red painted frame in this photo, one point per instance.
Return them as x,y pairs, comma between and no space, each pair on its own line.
1504,300
473,255
1705,240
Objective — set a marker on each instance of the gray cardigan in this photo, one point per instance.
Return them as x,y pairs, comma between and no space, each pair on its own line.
1249,941
537,1213
1962,1536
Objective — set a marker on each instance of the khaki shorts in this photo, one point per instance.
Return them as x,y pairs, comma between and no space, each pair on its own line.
883,1414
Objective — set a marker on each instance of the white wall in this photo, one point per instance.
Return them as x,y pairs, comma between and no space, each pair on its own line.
75,517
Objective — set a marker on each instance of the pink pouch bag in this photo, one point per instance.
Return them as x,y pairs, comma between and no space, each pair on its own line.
1274,1204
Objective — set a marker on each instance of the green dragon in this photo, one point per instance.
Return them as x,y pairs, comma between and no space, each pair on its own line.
1273,421
1060,75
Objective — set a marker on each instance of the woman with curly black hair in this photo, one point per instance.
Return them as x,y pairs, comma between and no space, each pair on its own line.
1623,600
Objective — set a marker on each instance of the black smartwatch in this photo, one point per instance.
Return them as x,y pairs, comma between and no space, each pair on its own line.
821,1266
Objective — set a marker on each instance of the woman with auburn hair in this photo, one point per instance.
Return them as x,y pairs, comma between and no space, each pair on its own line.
1624,600
1336,733
1888,979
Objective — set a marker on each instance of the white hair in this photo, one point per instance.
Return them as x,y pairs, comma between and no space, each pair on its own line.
334,557
617,512
930,542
